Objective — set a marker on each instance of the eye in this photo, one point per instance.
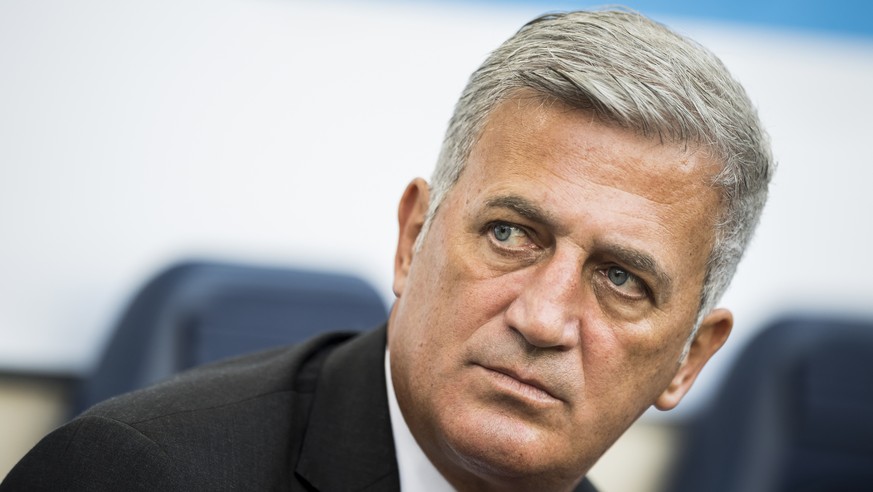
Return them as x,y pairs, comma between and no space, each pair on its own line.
510,238
502,232
625,284
617,275
509,235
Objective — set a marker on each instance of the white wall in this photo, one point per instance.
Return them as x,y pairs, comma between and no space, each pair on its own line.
136,133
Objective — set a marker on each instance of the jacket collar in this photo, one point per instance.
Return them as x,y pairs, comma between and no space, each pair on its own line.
348,444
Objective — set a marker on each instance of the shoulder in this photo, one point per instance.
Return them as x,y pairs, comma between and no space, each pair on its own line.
95,454
228,422
241,380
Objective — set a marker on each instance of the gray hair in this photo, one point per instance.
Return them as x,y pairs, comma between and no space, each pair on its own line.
635,73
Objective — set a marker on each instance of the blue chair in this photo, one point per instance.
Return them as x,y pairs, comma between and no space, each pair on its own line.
795,414
198,312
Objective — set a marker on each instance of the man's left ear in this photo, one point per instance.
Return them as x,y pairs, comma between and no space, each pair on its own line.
713,331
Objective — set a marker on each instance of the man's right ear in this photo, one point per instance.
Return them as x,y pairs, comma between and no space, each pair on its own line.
410,217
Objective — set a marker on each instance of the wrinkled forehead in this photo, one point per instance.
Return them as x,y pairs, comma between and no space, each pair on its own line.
582,174
563,126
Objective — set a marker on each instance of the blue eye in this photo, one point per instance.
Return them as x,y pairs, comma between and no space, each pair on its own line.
502,232
617,276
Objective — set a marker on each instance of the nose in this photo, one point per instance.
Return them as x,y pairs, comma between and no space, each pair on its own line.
545,310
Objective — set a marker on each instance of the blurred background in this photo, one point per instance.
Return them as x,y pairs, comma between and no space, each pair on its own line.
134,134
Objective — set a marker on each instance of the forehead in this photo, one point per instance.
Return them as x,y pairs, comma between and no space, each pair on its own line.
594,178
529,129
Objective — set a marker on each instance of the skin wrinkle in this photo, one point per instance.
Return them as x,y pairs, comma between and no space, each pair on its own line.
639,260
466,302
594,61
593,151
681,165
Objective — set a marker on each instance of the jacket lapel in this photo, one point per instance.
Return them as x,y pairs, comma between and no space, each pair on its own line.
348,444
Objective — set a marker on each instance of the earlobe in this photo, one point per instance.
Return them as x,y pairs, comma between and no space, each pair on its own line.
713,331
410,217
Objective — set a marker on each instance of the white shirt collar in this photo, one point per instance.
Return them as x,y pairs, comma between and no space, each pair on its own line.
417,473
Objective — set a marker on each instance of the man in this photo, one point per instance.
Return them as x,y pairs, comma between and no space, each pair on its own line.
599,181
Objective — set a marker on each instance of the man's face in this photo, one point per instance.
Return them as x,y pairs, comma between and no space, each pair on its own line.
552,297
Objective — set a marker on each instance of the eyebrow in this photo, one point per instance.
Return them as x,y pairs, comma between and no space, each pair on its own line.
525,208
632,258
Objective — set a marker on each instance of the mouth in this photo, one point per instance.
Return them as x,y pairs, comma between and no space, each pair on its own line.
528,388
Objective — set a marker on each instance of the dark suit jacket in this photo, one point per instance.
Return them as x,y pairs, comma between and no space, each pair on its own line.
312,417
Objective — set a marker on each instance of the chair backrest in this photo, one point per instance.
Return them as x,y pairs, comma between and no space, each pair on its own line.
794,414
198,312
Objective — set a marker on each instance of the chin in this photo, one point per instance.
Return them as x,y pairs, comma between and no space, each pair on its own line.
501,448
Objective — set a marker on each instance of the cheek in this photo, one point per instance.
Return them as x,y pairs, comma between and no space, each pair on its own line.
473,291
449,296
627,367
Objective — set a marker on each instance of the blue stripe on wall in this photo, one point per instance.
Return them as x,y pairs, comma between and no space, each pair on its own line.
844,17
